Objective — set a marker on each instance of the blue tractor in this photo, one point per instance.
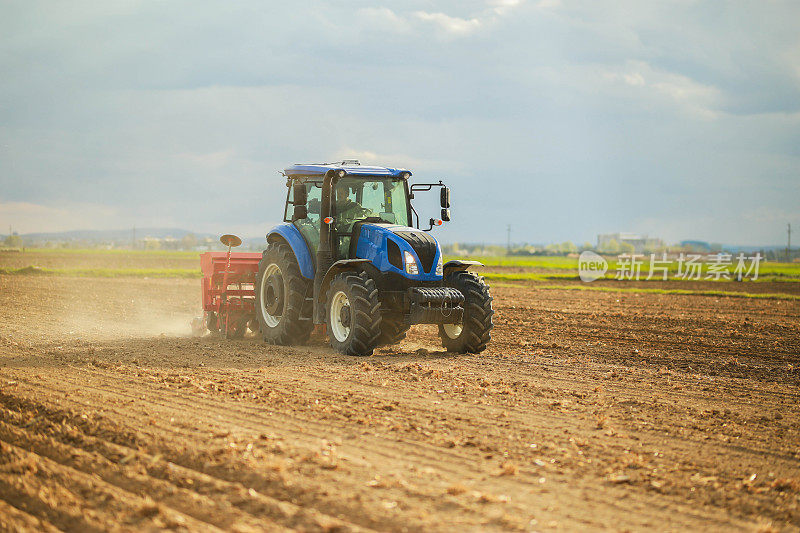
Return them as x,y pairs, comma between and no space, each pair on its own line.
348,257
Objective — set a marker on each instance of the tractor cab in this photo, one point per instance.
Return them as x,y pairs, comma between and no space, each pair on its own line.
350,255
357,195
354,200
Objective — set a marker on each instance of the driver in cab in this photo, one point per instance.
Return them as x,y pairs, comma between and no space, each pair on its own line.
347,210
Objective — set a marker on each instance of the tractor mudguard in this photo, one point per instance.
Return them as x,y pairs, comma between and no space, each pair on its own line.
457,265
341,266
337,267
294,238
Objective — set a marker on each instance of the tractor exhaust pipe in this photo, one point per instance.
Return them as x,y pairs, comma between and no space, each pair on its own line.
325,255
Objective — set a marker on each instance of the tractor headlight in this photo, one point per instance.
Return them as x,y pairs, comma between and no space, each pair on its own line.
440,266
411,264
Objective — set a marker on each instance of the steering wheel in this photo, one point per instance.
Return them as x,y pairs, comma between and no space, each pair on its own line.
354,212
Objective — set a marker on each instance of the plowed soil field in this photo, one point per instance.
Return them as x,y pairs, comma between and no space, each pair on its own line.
590,410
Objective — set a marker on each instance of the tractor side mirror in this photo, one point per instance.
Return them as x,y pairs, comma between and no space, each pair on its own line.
299,196
300,213
445,215
445,197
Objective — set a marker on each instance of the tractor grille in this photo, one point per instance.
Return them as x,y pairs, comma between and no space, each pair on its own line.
395,257
423,244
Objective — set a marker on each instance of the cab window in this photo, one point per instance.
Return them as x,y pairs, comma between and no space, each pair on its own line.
309,226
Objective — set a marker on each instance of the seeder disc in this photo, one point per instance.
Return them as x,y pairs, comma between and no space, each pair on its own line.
230,240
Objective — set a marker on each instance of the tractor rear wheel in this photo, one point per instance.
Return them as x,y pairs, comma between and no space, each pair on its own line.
393,330
280,295
475,330
353,317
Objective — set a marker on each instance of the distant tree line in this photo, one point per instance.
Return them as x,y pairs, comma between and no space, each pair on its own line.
610,247
12,241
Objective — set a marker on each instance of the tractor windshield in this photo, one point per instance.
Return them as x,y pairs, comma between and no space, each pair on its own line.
381,199
372,199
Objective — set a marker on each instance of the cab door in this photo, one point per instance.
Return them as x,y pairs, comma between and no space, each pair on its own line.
309,226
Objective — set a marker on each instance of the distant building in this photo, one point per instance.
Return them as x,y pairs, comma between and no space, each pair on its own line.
639,241
696,246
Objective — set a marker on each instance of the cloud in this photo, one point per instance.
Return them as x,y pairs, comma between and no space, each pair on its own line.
382,18
464,26
502,7
452,25
649,82
209,160
27,217
560,118
398,160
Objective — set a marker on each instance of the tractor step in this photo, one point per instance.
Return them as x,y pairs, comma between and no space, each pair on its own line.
308,304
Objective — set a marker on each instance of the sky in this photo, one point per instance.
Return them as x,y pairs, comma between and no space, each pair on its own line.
561,119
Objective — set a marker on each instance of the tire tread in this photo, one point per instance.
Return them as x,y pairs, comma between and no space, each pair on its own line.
478,312
365,329
291,329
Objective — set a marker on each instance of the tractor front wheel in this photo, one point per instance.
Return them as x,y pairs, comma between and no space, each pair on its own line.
280,295
353,317
474,332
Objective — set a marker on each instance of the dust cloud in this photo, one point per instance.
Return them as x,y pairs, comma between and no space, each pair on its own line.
102,309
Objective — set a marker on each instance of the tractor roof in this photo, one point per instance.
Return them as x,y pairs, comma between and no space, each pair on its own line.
352,168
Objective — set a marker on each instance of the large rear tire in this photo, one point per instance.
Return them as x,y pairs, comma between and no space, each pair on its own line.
475,331
280,295
353,315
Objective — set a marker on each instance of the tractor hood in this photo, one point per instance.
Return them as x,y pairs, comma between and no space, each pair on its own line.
385,246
